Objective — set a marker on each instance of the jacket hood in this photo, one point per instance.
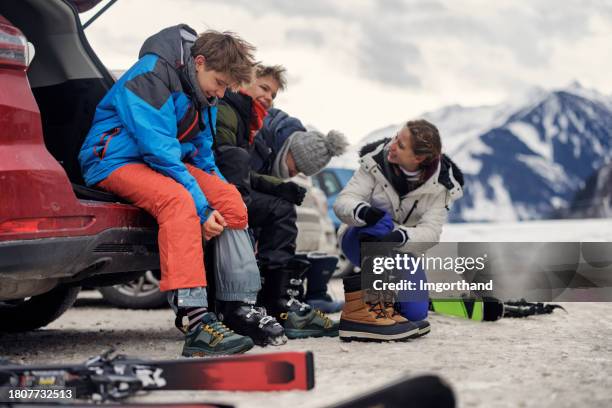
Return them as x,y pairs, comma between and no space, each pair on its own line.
242,104
173,44
370,147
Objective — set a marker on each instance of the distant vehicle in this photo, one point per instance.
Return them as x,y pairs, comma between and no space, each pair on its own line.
331,181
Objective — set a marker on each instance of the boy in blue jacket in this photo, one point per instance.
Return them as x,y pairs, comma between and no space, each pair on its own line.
151,143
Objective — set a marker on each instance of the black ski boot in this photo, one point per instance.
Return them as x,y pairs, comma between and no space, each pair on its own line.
281,293
249,320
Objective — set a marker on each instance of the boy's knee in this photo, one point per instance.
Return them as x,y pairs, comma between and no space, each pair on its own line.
176,203
234,211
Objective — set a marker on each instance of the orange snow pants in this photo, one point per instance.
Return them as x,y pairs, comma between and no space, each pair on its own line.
180,232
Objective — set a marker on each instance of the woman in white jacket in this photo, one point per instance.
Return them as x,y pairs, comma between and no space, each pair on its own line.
400,195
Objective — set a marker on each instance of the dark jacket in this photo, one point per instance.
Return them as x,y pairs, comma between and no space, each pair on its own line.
232,147
276,129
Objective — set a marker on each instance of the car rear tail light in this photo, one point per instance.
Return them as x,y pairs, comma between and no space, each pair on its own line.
32,225
13,47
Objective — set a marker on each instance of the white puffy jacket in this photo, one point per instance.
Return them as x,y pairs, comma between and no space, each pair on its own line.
420,213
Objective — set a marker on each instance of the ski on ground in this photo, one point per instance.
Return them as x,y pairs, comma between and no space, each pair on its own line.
107,377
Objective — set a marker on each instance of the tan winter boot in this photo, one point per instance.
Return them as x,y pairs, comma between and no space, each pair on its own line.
364,321
392,311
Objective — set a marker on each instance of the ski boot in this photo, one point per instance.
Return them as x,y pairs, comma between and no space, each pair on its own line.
213,338
253,322
280,294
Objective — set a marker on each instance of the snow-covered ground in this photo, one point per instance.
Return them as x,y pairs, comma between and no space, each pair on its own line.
558,360
585,230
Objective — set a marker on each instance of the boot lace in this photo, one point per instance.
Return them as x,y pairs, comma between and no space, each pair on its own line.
379,308
327,322
217,330
394,306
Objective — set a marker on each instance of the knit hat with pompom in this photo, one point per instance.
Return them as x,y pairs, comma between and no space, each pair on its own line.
312,150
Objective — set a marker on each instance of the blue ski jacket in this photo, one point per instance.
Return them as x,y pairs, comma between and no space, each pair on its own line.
152,116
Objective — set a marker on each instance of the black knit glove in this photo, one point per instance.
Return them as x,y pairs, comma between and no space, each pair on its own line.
371,215
290,191
397,236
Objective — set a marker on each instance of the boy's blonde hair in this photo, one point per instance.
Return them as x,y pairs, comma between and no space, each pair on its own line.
277,72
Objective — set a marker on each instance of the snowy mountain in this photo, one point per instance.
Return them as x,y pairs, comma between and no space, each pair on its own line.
595,200
526,158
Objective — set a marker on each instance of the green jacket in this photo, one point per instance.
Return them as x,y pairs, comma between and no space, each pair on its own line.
233,117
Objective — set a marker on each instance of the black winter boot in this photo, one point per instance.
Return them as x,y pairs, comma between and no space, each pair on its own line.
280,294
249,320
318,275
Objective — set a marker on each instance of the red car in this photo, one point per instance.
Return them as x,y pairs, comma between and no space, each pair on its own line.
55,234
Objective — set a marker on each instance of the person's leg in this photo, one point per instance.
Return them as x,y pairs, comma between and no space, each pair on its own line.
365,318
180,234
282,272
237,279
181,256
413,305
322,267
372,318
223,197
275,219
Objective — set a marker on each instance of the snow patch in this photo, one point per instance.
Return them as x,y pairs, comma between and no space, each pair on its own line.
530,136
496,209
553,172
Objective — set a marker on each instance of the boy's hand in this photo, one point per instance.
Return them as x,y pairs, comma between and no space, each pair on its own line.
213,226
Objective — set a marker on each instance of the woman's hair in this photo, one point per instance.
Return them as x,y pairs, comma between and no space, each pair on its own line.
425,141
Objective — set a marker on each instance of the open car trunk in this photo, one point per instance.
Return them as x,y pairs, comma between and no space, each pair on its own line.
67,78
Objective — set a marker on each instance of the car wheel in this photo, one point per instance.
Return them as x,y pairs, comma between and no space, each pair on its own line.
142,293
36,311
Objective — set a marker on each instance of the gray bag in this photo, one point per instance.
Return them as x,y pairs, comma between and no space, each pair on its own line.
236,272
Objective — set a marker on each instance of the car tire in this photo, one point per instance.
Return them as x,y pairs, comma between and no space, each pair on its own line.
142,293
36,311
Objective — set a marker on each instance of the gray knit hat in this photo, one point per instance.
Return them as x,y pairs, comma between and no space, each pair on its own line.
312,150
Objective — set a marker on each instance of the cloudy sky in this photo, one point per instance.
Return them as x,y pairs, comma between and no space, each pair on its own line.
360,65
